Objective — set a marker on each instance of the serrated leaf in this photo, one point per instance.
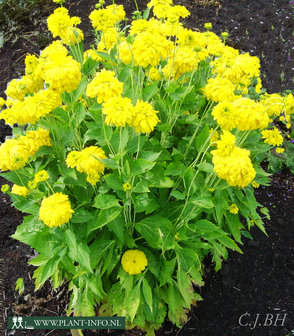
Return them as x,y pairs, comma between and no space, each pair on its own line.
147,292
105,201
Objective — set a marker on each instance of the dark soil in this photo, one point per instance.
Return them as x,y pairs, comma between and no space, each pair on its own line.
260,281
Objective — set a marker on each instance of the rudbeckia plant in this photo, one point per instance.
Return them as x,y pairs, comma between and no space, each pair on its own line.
136,159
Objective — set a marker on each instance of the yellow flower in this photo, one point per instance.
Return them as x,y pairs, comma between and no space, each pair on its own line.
234,209
145,117
226,115
19,190
236,168
119,111
226,144
32,108
15,153
255,184
87,161
33,184
62,73
55,210
208,25
92,54
2,102
273,104
104,86
176,12
41,176
183,61
280,150
134,261
289,104
272,137
5,188
219,89
127,186
62,25
154,74
151,48
103,19
214,137
251,115
125,52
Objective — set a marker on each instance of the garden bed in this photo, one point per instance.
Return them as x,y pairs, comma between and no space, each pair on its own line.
258,282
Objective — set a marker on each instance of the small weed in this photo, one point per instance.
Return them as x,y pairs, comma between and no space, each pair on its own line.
283,77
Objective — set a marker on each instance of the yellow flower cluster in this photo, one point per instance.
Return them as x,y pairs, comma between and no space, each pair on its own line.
39,177
87,161
251,115
15,153
32,108
19,190
55,210
134,261
232,163
104,86
62,25
103,19
145,117
226,115
272,137
150,49
120,111
220,89
273,104
234,209
60,71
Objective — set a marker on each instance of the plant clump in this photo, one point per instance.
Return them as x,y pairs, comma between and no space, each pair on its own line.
137,158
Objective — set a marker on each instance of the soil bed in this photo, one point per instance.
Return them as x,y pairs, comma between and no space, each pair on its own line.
260,281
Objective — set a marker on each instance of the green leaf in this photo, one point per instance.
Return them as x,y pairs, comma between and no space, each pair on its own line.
147,292
141,187
202,201
157,179
146,202
202,138
105,201
19,285
150,156
83,256
106,57
117,226
21,177
167,271
98,249
105,216
206,167
81,88
228,242
89,66
109,163
140,166
150,91
178,195
235,226
114,182
25,205
49,268
157,231
187,258
185,287
81,216
133,301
